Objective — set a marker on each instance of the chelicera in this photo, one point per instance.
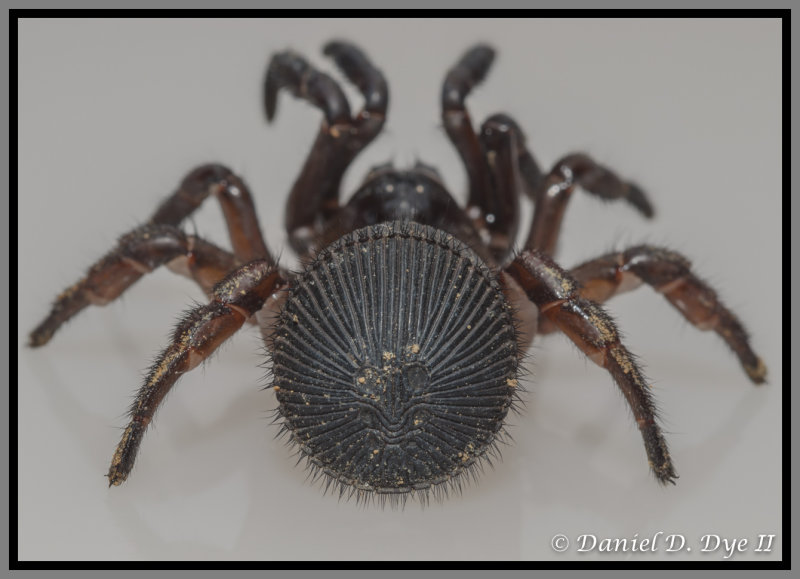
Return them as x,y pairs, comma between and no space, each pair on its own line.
396,349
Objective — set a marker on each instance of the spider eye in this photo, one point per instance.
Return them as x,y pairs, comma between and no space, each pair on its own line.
394,359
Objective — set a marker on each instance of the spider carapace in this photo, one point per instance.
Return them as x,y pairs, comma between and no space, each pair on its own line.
396,350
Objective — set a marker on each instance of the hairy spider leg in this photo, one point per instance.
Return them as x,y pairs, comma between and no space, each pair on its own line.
201,331
557,295
160,241
136,253
554,191
314,198
669,273
234,199
487,207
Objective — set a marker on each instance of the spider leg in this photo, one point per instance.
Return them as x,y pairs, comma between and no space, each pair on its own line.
554,191
468,72
494,159
237,297
314,198
669,274
137,253
234,198
503,147
557,295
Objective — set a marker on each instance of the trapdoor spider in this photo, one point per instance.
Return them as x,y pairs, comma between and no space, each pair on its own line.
396,350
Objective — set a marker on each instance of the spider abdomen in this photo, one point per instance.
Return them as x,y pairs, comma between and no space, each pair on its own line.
395,359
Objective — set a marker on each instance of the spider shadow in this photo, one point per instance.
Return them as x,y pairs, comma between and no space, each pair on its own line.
175,461
638,504
178,465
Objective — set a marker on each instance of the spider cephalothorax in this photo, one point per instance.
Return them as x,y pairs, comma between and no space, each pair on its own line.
396,349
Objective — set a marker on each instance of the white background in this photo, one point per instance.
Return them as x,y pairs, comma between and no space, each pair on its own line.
112,114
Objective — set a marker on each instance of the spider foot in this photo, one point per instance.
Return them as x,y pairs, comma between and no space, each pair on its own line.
756,371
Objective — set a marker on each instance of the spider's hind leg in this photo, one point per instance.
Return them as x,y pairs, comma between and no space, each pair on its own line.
315,195
556,293
669,273
234,300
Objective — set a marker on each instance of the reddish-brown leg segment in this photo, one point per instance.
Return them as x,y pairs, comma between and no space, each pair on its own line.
137,253
554,191
240,295
237,207
669,273
557,295
315,195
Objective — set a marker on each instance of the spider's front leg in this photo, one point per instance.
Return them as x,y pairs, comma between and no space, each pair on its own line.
315,195
499,166
467,73
557,296
235,299
493,159
498,213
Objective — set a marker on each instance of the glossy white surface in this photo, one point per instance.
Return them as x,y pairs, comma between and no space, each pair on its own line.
114,113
